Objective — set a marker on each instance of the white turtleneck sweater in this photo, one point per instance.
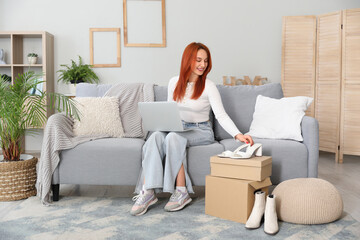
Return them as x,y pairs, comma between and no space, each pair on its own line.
198,110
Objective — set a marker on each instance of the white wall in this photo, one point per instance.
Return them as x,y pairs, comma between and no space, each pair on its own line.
244,36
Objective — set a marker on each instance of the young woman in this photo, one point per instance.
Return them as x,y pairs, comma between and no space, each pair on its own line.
195,95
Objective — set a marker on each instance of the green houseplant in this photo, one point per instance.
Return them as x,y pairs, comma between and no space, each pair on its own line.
32,55
32,58
21,110
21,113
77,73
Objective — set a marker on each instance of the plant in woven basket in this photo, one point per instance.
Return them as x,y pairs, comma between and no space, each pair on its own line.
77,73
22,112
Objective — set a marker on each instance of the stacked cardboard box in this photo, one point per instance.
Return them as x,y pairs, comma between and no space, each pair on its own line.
229,190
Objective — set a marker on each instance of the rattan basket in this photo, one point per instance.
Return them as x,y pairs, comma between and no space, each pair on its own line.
17,179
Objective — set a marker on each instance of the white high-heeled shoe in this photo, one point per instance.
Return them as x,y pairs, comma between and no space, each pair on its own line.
255,149
229,153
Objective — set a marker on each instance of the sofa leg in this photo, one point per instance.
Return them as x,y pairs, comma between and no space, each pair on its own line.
55,190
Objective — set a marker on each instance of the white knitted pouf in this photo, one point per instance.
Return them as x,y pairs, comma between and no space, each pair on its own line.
308,201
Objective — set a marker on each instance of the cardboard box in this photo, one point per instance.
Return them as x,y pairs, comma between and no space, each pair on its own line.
232,199
256,168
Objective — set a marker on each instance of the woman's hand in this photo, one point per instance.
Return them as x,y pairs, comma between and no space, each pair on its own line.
245,138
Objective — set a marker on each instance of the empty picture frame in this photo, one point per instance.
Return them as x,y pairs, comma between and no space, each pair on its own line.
144,23
105,47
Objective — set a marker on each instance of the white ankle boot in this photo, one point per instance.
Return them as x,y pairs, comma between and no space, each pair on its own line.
271,222
257,212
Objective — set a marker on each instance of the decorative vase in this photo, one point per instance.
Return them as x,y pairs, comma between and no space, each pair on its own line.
2,56
32,60
17,178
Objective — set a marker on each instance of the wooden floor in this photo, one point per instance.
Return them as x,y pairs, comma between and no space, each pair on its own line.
345,177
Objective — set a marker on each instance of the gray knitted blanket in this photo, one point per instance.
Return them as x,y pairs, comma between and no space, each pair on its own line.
58,134
129,95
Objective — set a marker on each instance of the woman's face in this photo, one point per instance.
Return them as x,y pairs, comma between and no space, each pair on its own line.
201,62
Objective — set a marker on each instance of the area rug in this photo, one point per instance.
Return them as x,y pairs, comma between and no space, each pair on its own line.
108,218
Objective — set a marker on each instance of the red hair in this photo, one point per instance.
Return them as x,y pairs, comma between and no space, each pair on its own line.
187,65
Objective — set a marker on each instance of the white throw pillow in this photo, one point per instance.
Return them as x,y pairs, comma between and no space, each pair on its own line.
99,116
279,118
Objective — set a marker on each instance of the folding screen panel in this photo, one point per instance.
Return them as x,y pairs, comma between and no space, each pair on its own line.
328,80
350,112
298,57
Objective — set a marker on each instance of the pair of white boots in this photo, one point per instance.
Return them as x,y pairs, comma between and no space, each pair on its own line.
260,208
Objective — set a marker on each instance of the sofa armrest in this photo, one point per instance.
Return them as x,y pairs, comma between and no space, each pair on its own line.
310,133
56,176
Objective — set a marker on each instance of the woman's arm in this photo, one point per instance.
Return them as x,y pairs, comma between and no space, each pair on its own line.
223,118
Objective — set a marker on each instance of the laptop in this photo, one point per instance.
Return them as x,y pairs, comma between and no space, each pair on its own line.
161,116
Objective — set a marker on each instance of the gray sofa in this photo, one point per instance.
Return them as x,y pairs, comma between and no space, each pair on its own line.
117,161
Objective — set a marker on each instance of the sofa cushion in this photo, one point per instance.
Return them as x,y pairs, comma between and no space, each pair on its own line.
160,93
279,118
290,158
99,116
109,161
91,90
239,103
99,90
199,161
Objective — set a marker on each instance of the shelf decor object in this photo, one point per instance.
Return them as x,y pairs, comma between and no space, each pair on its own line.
105,47
32,58
2,56
144,23
320,59
258,80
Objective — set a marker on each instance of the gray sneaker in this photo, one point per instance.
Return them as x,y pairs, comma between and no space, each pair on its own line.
178,201
143,201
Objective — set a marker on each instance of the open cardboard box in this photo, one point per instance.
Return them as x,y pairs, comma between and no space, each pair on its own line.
232,199
255,168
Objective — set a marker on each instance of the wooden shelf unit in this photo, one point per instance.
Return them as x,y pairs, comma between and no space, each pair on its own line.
17,44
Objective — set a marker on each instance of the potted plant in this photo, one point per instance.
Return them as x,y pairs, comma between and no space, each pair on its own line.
32,58
20,113
77,73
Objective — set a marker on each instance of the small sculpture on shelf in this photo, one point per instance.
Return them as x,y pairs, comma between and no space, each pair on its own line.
32,58
2,56
258,80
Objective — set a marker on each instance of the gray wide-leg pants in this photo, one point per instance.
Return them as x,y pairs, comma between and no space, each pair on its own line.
165,152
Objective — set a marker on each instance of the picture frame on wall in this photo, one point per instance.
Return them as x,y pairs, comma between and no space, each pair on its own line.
105,47
144,23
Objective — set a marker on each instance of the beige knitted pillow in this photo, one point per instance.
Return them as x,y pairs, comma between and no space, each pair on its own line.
99,116
308,201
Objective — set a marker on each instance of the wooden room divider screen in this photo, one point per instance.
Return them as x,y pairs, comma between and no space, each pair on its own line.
321,59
